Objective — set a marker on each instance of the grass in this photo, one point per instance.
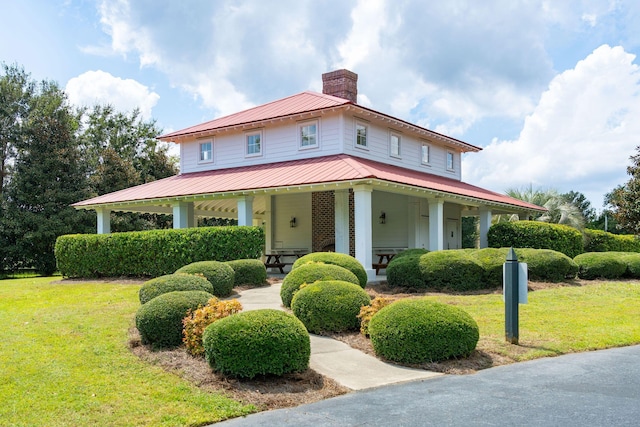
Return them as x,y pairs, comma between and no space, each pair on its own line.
558,320
65,362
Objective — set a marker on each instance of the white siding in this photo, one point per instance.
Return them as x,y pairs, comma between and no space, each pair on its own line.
287,206
394,232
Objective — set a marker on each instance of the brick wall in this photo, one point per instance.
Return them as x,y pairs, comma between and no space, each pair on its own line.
323,228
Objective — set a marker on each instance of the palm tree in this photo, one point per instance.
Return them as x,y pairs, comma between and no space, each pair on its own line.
559,209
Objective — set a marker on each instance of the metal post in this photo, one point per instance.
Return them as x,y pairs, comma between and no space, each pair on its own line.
511,297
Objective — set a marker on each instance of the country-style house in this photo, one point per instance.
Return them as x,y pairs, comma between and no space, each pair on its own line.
320,172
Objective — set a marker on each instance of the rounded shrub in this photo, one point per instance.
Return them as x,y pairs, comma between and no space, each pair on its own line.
536,235
491,260
420,330
453,269
251,272
602,241
601,265
219,274
310,273
404,270
632,259
259,342
172,282
329,306
159,321
546,265
343,260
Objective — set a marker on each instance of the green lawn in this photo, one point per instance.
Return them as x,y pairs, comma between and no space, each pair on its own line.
65,362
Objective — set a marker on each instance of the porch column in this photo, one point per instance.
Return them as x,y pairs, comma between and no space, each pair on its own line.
485,224
364,241
436,224
268,224
183,215
341,202
104,221
413,223
245,210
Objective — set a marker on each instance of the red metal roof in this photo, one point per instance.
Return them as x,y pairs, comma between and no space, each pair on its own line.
329,169
301,103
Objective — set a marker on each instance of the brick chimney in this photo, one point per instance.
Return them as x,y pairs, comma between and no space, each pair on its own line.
341,83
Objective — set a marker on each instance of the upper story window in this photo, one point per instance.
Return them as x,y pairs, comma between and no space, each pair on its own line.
450,160
206,152
254,143
361,135
308,133
425,154
394,144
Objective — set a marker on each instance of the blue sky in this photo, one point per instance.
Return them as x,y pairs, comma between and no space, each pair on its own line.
549,89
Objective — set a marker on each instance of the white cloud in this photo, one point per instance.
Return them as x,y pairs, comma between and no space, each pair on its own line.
99,87
580,135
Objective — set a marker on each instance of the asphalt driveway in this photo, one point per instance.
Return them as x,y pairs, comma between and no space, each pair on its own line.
600,388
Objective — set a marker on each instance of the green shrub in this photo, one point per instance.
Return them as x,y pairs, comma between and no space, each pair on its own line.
602,241
420,330
632,259
416,252
172,282
491,260
343,260
259,342
160,320
329,306
453,270
153,253
219,274
404,271
248,272
310,273
546,265
601,265
537,235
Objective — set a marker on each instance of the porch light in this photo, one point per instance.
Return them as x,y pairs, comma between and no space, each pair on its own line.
383,218
292,223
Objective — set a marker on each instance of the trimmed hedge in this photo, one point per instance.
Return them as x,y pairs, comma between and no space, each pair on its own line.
310,273
219,274
421,330
601,265
453,270
536,235
330,306
491,260
251,272
259,342
160,320
545,265
153,253
170,283
602,241
632,259
343,260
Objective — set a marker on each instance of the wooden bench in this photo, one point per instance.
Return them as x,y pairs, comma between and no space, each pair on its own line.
274,260
383,261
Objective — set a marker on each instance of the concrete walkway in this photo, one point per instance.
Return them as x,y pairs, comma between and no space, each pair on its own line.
335,359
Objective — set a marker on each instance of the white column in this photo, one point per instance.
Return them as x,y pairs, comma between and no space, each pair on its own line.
245,210
364,241
104,221
413,222
436,224
341,203
485,224
268,224
183,215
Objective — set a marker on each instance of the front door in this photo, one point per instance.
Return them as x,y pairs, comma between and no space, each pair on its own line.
452,240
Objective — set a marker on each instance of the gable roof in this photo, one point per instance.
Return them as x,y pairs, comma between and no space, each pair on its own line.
328,172
295,106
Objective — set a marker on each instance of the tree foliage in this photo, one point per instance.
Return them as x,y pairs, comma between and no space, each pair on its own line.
570,209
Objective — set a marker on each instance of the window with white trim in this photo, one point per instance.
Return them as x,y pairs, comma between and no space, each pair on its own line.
425,154
206,152
450,158
394,144
254,143
361,135
308,134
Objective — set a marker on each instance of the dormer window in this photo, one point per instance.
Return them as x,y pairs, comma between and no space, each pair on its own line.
394,144
206,152
308,134
254,143
361,135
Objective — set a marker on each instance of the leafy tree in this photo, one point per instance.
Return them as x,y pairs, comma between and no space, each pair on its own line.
580,201
470,232
48,177
560,210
